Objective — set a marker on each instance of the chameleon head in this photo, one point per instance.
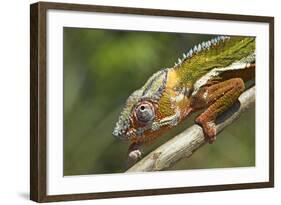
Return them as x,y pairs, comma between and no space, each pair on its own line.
150,110
140,114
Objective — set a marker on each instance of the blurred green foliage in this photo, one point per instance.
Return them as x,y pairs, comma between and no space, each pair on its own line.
101,69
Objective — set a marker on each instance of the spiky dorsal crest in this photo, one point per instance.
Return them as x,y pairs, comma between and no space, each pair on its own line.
206,45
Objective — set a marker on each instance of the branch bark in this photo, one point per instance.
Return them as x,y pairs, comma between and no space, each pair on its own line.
186,143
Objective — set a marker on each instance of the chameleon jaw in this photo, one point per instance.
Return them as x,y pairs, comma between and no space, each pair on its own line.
172,121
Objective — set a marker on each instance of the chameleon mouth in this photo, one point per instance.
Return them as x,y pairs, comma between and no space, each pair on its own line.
121,128
120,133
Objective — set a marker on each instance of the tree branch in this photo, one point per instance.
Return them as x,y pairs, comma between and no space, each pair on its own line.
186,143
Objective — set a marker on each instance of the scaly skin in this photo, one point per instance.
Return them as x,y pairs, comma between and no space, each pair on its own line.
210,77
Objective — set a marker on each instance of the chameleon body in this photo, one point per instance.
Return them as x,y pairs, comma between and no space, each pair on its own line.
210,77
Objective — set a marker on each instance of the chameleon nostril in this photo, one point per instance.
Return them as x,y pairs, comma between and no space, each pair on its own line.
115,133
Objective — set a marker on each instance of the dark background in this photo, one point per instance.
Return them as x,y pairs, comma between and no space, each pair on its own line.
101,69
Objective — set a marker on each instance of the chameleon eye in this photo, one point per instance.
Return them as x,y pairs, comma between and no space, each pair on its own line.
144,112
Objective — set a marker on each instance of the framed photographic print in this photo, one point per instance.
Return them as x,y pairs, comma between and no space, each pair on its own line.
133,102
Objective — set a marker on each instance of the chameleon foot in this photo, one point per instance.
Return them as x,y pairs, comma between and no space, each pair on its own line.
134,154
133,157
209,129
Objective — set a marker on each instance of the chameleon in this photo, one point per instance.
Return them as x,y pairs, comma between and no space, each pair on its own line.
209,77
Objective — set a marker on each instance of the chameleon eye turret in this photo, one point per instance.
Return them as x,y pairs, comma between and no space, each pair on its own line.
144,112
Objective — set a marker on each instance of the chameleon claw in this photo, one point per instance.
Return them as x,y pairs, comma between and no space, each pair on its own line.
209,129
135,155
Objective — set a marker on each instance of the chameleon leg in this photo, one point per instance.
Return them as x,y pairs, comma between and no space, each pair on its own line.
218,98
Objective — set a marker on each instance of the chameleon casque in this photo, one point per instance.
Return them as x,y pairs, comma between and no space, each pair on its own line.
210,77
